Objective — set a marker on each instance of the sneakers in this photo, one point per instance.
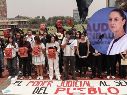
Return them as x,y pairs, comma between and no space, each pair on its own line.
58,78
13,80
51,78
30,77
40,78
108,77
19,72
16,77
22,78
113,77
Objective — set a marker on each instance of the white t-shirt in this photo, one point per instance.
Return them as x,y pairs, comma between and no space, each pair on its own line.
118,46
69,49
30,39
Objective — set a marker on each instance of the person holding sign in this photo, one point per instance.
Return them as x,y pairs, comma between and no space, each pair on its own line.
38,58
10,55
24,52
117,24
52,50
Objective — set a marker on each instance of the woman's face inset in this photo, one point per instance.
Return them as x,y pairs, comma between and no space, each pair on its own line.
116,22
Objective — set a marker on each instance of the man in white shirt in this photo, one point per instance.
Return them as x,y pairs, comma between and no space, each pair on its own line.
30,37
69,46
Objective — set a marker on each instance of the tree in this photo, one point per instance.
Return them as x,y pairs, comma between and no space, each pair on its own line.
43,19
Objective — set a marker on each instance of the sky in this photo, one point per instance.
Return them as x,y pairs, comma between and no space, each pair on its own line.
48,8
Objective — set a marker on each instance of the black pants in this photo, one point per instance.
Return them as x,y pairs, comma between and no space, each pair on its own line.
118,59
61,61
26,66
82,65
77,67
123,71
69,60
97,65
111,65
20,64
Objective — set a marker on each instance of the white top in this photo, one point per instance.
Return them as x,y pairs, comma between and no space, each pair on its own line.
52,45
14,50
30,39
69,49
118,46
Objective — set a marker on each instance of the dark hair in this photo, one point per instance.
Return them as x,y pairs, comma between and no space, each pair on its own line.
79,34
49,36
83,34
37,39
69,32
13,41
122,14
21,41
29,29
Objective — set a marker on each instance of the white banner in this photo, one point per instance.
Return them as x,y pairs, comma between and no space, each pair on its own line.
70,87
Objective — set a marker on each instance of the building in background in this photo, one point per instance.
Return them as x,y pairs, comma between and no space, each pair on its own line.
3,9
116,3
14,22
76,15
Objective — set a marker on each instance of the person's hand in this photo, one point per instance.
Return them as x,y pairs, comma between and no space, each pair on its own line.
67,40
124,58
12,47
79,56
84,56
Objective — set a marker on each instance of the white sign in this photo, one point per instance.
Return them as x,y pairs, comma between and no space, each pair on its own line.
70,87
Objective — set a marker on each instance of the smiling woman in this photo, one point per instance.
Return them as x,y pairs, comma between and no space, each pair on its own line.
117,24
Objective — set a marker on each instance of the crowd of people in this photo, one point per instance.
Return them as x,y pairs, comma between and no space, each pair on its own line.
46,53
66,54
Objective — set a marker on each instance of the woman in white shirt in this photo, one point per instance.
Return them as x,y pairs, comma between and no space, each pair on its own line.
38,58
52,51
117,24
10,55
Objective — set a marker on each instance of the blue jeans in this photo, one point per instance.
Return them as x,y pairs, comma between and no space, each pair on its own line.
1,61
12,66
